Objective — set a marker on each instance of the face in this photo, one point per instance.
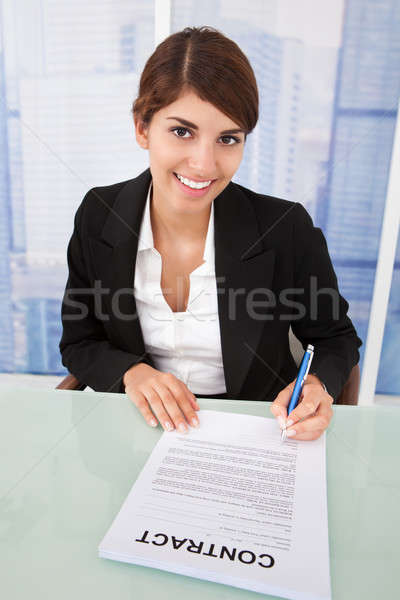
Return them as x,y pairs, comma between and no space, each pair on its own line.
193,139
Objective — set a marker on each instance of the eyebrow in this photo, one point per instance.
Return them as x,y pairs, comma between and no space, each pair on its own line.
193,126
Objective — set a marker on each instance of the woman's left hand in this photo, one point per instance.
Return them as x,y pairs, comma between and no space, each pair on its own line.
311,416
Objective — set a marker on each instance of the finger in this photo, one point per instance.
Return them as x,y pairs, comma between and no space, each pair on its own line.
280,404
316,423
310,400
171,406
307,437
181,395
141,403
192,398
310,425
174,410
158,407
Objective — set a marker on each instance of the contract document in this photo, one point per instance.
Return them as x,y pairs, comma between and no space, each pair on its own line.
229,502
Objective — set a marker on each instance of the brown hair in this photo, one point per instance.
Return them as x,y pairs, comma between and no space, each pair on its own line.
206,61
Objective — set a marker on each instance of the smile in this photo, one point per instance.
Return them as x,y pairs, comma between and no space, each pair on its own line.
194,185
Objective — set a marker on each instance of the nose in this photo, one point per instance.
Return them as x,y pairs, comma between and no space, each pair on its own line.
202,160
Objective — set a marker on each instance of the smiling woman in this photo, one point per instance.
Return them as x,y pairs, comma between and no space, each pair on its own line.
179,278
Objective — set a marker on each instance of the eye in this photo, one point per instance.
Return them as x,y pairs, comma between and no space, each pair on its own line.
179,129
235,139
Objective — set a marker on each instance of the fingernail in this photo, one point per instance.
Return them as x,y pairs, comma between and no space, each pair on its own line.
182,428
289,423
282,422
291,433
194,422
153,422
168,426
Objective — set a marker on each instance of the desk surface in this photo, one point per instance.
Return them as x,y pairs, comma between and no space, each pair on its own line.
69,459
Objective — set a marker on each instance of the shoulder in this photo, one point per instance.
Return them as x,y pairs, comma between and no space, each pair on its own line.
273,211
98,202
119,200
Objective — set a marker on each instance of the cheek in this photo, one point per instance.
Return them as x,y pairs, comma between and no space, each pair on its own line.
232,162
161,160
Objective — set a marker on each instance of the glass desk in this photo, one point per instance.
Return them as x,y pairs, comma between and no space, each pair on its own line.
69,459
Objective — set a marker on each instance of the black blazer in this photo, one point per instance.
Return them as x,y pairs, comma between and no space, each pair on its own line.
268,257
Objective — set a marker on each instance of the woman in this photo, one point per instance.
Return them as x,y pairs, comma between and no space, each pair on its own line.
183,283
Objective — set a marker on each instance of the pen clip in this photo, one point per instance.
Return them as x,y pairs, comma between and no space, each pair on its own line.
310,355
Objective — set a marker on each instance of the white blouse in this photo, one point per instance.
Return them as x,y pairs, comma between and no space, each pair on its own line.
187,344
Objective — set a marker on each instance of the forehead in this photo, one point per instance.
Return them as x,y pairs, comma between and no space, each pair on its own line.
191,107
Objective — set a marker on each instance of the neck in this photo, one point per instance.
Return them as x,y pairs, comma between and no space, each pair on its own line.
188,228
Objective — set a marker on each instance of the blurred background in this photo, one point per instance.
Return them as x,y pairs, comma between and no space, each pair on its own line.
328,73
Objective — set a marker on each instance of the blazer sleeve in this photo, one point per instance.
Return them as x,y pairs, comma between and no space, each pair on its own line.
323,320
85,349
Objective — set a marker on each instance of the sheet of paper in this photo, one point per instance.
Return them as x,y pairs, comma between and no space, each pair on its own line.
229,502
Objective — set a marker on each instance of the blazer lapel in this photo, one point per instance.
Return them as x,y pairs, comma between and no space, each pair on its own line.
115,255
241,265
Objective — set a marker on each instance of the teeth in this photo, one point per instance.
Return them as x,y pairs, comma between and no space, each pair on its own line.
196,185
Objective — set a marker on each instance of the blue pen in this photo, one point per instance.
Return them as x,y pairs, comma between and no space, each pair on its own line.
298,386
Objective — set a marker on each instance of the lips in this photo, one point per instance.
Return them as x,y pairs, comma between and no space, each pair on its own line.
195,180
193,192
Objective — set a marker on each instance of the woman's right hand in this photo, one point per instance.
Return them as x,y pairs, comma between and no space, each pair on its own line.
161,395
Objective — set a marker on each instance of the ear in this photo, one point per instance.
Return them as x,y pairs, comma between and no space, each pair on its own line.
141,132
